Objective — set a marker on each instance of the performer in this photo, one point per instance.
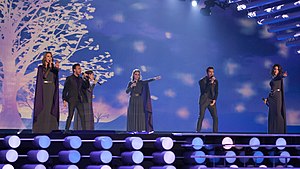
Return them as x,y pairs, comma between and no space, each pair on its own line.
139,112
87,103
46,99
209,94
275,101
72,94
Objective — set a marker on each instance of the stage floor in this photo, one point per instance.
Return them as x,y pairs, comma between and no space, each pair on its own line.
119,149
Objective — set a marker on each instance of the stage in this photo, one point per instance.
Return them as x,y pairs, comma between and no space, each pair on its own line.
118,149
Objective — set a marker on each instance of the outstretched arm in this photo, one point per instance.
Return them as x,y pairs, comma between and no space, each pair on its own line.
152,79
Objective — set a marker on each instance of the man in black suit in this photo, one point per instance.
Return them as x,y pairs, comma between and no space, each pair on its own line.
209,94
73,95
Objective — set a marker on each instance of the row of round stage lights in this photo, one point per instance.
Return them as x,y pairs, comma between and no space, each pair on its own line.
199,157
10,155
163,158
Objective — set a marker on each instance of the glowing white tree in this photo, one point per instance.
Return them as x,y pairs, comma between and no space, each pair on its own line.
28,28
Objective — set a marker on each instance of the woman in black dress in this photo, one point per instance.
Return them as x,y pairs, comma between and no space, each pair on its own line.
137,119
46,100
275,101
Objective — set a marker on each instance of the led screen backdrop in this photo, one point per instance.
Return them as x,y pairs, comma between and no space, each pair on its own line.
168,38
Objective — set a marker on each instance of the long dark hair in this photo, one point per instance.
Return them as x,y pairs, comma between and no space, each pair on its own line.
132,74
44,58
279,69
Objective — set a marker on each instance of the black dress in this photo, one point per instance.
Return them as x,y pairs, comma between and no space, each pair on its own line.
46,100
136,119
277,113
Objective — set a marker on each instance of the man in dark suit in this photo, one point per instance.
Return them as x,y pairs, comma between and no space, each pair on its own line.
209,94
73,95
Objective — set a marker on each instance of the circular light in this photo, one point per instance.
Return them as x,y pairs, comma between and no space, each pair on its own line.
230,159
227,142
260,159
198,159
165,157
6,166
197,143
280,143
72,142
284,154
38,155
12,141
254,143
164,143
42,141
103,142
9,155
135,143
263,166
70,156
194,3
133,157
101,156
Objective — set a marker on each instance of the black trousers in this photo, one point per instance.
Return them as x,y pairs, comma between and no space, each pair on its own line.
72,106
213,113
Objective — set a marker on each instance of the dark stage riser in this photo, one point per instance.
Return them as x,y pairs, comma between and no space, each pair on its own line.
113,149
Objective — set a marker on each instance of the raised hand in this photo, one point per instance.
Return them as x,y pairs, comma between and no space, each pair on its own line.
57,64
133,84
285,74
157,77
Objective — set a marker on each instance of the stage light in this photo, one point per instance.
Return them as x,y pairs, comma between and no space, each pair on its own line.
8,155
197,143
227,143
280,143
6,166
254,143
165,157
229,157
284,156
101,156
259,159
132,157
12,141
103,142
194,3
164,143
70,156
41,141
38,156
72,142
194,157
133,143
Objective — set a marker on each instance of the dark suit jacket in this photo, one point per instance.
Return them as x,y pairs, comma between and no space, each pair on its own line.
208,90
72,91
